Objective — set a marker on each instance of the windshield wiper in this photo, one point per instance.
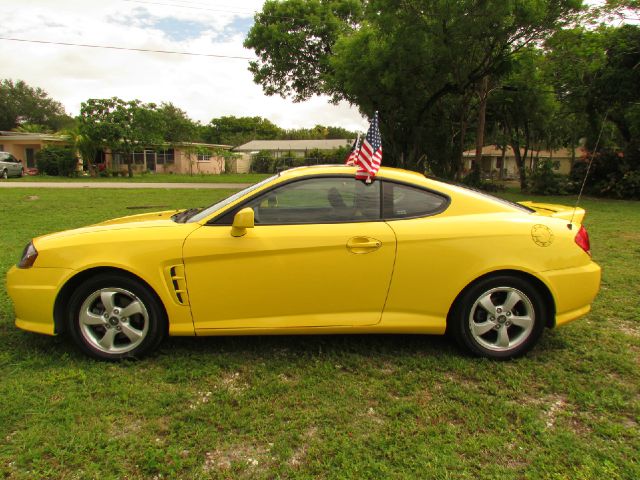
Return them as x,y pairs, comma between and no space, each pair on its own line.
182,217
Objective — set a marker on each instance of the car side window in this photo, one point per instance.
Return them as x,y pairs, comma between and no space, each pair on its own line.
318,200
404,201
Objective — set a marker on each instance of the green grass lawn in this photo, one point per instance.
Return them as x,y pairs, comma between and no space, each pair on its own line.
327,406
153,178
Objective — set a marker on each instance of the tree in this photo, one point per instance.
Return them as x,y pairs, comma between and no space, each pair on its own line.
525,108
21,104
232,130
122,126
176,125
597,74
319,132
403,59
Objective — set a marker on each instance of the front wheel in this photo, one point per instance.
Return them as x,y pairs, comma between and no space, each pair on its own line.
111,317
4,175
500,317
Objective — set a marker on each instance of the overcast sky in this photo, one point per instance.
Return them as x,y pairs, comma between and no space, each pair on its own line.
202,86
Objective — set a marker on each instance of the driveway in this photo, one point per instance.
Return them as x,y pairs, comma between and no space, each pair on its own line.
10,184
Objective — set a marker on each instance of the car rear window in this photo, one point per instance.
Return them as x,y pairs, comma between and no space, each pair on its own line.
405,201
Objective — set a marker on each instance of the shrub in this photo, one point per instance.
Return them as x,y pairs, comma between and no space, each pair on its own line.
263,162
612,174
474,177
57,161
543,179
474,180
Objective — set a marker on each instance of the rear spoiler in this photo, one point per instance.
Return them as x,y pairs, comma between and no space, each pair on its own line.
575,214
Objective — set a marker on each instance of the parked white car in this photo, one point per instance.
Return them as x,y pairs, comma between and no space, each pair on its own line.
10,166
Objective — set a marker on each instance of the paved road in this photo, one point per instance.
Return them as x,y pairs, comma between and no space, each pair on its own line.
10,184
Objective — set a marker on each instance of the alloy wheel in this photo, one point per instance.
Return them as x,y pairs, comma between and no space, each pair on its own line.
501,319
113,320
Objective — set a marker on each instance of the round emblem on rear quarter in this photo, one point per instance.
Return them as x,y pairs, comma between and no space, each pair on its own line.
542,235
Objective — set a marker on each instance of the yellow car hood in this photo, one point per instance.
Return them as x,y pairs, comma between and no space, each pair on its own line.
142,217
145,220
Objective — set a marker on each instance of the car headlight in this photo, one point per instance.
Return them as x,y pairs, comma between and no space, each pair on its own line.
29,256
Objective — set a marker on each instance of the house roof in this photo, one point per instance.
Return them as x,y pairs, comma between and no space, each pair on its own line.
34,137
208,145
285,145
495,151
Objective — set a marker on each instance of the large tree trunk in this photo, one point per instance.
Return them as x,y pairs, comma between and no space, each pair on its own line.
482,113
502,158
520,162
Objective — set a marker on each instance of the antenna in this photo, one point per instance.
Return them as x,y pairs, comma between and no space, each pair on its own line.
584,181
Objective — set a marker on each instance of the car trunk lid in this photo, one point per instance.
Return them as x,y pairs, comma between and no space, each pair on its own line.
574,214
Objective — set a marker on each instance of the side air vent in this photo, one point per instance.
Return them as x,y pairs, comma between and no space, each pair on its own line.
178,284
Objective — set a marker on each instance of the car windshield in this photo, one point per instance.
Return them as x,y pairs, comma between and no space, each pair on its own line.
202,214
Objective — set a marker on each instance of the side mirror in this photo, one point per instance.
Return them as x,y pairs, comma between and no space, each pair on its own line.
241,221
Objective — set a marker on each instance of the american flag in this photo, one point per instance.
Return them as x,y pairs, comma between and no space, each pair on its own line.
370,154
353,154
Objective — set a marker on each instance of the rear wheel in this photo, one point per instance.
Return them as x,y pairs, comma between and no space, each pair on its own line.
499,317
113,316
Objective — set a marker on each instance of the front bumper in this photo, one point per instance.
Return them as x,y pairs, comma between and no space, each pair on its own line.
574,290
33,292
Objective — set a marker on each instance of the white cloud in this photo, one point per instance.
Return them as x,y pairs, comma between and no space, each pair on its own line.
204,87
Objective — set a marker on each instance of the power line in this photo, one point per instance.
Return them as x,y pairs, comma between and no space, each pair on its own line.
112,47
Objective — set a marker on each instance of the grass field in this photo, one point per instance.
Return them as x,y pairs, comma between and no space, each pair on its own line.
153,178
327,406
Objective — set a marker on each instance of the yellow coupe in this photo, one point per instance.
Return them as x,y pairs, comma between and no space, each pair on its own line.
313,250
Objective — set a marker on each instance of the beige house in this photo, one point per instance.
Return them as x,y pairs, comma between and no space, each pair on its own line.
283,149
295,148
186,158
24,146
189,158
500,163
239,164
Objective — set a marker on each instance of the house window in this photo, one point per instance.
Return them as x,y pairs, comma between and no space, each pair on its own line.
204,157
165,156
138,158
1,147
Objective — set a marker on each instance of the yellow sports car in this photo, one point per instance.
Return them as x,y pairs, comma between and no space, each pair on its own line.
313,250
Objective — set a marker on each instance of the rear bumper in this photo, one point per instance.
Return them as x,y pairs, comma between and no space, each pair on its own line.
33,292
574,290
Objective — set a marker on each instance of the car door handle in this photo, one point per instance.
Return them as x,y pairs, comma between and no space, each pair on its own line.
363,245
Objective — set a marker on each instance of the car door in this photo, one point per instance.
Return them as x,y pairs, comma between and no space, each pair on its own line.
319,255
4,164
14,166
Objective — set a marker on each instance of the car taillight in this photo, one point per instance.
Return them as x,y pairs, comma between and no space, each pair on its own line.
29,256
582,239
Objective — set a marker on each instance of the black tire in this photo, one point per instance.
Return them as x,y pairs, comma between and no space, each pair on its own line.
21,172
111,317
5,175
510,332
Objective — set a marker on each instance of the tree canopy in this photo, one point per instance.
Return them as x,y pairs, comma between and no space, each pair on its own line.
230,130
31,108
122,126
401,58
